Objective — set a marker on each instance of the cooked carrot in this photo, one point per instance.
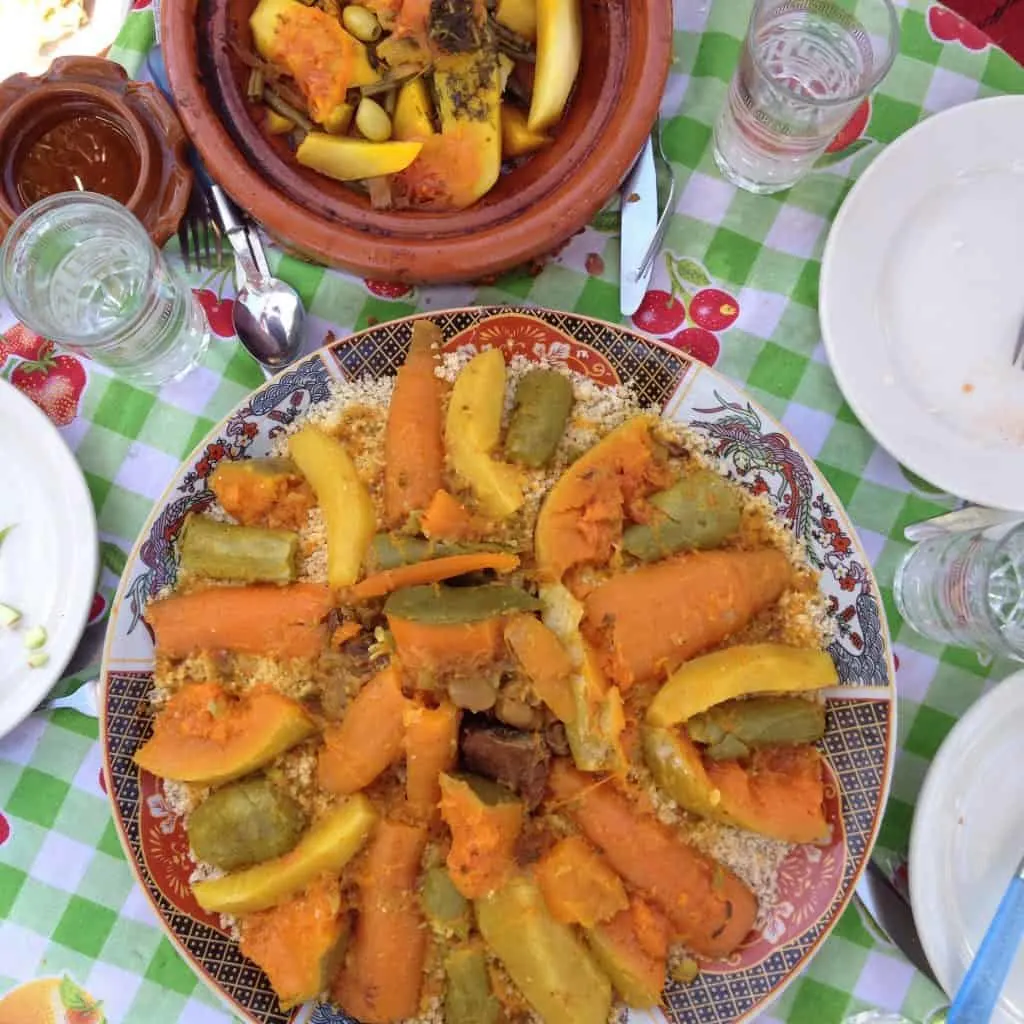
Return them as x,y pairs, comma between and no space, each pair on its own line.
283,621
433,570
648,622
381,979
545,661
710,909
413,448
345,632
367,739
431,746
578,886
446,518
431,648
484,834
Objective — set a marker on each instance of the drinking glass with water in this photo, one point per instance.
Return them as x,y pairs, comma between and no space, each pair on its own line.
803,69
79,268
967,589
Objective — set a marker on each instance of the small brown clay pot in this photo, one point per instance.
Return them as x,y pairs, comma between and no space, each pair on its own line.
90,87
530,211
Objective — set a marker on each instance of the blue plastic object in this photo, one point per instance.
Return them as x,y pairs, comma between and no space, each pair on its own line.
979,992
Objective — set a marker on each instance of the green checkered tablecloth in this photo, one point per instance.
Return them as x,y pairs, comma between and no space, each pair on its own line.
737,286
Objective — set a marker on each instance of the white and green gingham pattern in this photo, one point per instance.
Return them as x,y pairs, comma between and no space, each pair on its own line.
68,903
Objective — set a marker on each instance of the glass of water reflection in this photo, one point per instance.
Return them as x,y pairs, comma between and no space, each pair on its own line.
80,268
804,68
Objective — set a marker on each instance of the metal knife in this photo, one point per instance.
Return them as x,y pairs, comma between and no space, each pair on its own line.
961,520
639,222
892,913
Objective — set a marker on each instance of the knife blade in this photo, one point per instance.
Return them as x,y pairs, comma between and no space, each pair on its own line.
638,224
893,914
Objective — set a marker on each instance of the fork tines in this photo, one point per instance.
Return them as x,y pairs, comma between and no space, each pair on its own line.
199,233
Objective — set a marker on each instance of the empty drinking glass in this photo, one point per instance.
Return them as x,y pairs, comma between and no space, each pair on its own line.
967,589
79,268
803,69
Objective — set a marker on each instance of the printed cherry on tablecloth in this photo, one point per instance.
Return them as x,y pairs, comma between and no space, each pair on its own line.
5,829
53,380
387,289
949,27
219,310
688,323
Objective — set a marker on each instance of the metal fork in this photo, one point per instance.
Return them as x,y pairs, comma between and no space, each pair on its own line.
199,233
1018,349
664,167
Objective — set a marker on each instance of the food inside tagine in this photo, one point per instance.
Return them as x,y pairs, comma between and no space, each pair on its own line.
487,698
418,103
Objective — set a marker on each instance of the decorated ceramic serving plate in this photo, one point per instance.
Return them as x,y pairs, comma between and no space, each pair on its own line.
814,882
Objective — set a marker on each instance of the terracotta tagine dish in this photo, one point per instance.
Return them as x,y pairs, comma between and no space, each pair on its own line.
84,125
535,204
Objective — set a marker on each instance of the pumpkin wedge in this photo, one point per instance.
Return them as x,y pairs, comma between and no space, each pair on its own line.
299,943
581,519
460,164
779,793
206,736
324,59
327,846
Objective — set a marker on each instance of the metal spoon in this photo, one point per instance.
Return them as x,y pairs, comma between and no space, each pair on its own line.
268,315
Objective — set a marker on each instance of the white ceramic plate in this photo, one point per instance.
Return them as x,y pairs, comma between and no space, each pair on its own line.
49,561
968,837
106,19
922,298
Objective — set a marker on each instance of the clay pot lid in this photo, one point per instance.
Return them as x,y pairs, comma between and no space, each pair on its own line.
529,212
84,86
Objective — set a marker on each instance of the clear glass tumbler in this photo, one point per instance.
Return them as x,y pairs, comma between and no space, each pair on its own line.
79,268
967,589
803,69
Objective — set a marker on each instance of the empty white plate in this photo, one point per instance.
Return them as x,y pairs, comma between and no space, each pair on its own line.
968,838
922,300
49,561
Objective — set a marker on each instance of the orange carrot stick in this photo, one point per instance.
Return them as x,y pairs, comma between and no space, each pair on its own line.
381,980
446,518
413,446
281,621
432,648
648,622
431,745
433,570
545,661
367,739
710,909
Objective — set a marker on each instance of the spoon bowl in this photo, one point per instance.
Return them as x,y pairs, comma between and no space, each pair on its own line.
269,318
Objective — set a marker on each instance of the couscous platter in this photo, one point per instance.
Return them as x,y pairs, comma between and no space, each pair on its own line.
498,665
